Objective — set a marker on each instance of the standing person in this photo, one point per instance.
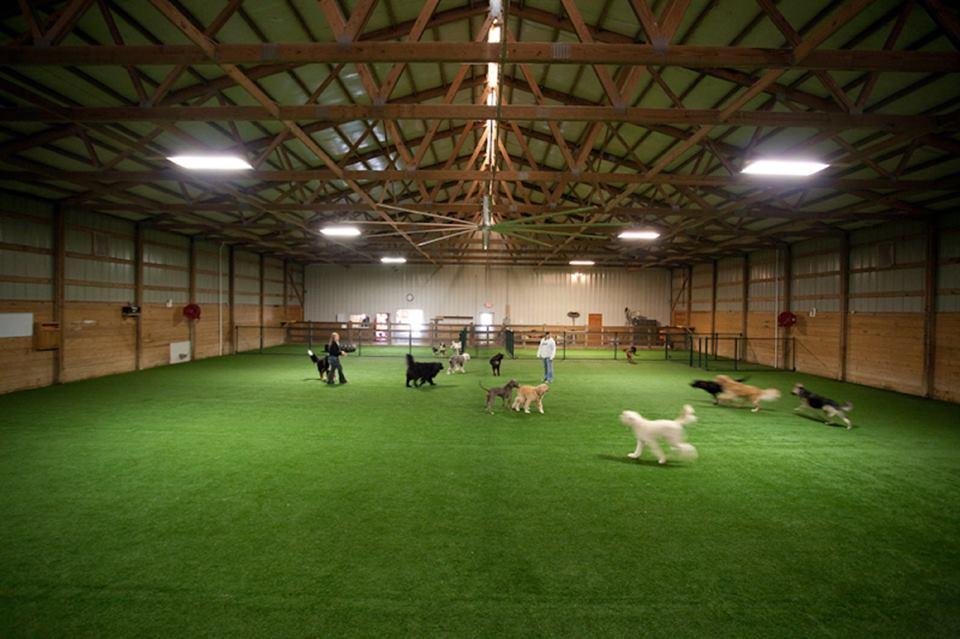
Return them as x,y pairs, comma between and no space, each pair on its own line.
333,357
547,351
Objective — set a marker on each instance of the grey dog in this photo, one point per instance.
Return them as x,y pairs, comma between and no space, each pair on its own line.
504,392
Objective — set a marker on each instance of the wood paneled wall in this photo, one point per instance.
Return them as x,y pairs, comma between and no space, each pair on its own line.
109,262
879,306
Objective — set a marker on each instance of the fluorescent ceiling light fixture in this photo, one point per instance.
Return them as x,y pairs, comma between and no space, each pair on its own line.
393,260
638,235
582,262
340,231
784,167
211,162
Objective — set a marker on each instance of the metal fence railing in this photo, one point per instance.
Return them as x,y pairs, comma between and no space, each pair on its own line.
296,338
715,351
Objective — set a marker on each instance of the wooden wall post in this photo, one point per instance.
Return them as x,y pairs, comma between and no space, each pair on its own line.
286,312
192,296
745,302
844,301
787,291
713,300
59,279
232,297
138,290
931,258
260,311
689,296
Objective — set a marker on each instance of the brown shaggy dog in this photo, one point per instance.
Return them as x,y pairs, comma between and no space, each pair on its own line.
526,395
734,390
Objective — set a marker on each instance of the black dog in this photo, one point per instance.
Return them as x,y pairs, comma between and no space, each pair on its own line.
818,402
323,364
711,387
495,363
421,372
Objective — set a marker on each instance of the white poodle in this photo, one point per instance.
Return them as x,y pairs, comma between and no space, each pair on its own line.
647,431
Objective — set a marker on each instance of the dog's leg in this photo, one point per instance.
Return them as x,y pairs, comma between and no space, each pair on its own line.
526,405
655,447
540,404
636,453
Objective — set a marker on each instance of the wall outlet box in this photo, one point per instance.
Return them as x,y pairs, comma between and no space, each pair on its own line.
813,311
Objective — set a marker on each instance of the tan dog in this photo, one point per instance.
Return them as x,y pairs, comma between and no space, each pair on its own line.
734,390
526,395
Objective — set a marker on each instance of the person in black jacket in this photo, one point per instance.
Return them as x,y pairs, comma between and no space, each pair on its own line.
334,352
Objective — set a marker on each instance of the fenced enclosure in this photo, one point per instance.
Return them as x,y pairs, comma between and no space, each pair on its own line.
396,340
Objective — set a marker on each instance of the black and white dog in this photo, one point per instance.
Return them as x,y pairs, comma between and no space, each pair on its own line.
440,351
420,372
495,363
829,407
323,364
712,387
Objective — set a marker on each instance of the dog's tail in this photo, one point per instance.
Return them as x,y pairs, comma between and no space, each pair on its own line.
687,416
769,395
686,451
846,407
484,387
409,359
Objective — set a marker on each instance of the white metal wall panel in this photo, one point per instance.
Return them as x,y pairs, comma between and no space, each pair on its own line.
702,288
948,275
765,268
730,284
897,289
534,296
816,275
25,233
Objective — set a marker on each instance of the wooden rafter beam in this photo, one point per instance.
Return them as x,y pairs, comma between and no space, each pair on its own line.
520,112
690,56
947,183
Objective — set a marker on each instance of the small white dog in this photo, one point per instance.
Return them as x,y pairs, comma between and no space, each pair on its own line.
647,431
457,362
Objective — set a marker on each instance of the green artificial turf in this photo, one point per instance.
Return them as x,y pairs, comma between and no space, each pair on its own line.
241,497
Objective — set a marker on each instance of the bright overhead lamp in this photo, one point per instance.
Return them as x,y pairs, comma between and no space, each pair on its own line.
784,167
393,260
582,262
340,231
211,162
639,235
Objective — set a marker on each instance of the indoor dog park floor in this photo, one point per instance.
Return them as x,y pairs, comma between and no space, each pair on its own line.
241,497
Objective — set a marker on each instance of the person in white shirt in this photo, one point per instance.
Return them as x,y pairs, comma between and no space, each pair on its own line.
547,351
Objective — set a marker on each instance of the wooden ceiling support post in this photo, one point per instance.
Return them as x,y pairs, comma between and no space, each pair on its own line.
713,299
59,275
745,295
844,302
138,291
787,292
689,296
931,260
260,304
286,312
232,300
192,296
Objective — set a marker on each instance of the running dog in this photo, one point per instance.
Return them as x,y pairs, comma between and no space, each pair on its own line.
420,372
526,395
440,351
504,392
711,387
648,431
734,390
457,362
323,364
630,352
829,407
495,363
